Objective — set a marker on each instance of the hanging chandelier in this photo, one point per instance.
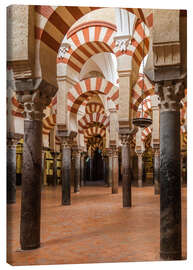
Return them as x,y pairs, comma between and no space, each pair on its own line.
142,121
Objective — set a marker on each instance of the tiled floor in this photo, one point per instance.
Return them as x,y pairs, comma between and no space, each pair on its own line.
95,228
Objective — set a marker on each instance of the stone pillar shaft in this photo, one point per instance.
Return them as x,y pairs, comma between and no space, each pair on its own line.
170,93
11,171
31,185
66,174
54,169
126,181
115,171
82,170
77,172
44,180
34,102
140,169
156,171
126,134
170,193
110,169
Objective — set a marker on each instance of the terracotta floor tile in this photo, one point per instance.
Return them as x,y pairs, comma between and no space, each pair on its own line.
95,228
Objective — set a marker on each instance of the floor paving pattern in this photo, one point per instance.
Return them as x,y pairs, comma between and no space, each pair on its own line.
95,228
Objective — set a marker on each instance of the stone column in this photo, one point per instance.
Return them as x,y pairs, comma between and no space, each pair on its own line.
170,92
126,134
11,169
155,141
140,168
107,171
76,153
54,181
31,176
182,156
105,168
82,161
126,181
110,167
156,170
44,168
115,170
66,171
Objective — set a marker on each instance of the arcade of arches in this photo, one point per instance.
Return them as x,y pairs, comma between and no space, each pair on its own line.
77,78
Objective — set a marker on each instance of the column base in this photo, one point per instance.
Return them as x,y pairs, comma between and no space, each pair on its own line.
127,205
11,201
30,247
140,184
157,191
66,203
170,256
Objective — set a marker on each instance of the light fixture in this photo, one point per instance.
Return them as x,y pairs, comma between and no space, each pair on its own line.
141,121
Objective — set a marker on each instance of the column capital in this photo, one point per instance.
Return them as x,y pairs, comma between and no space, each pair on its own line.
76,151
34,101
170,93
139,153
66,137
66,142
109,152
126,134
156,151
13,138
115,151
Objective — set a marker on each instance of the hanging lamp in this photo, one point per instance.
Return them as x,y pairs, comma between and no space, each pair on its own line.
141,121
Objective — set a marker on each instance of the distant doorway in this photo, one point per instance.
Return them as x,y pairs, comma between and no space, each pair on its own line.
95,169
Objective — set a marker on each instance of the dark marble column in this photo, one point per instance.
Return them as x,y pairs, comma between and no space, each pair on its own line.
182,158
82,161
31,183
43,166
34,103
76,153
126,136
115,170
140,168
54,180
156,170
66,172
110,167
11,170
105,169
170,93
126,181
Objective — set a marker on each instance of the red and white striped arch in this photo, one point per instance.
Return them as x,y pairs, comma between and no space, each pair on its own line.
48,123
94,131
53,103
146,132
91,118
147,111
53,23
17,109
93,107
140,91
85,88
88,41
